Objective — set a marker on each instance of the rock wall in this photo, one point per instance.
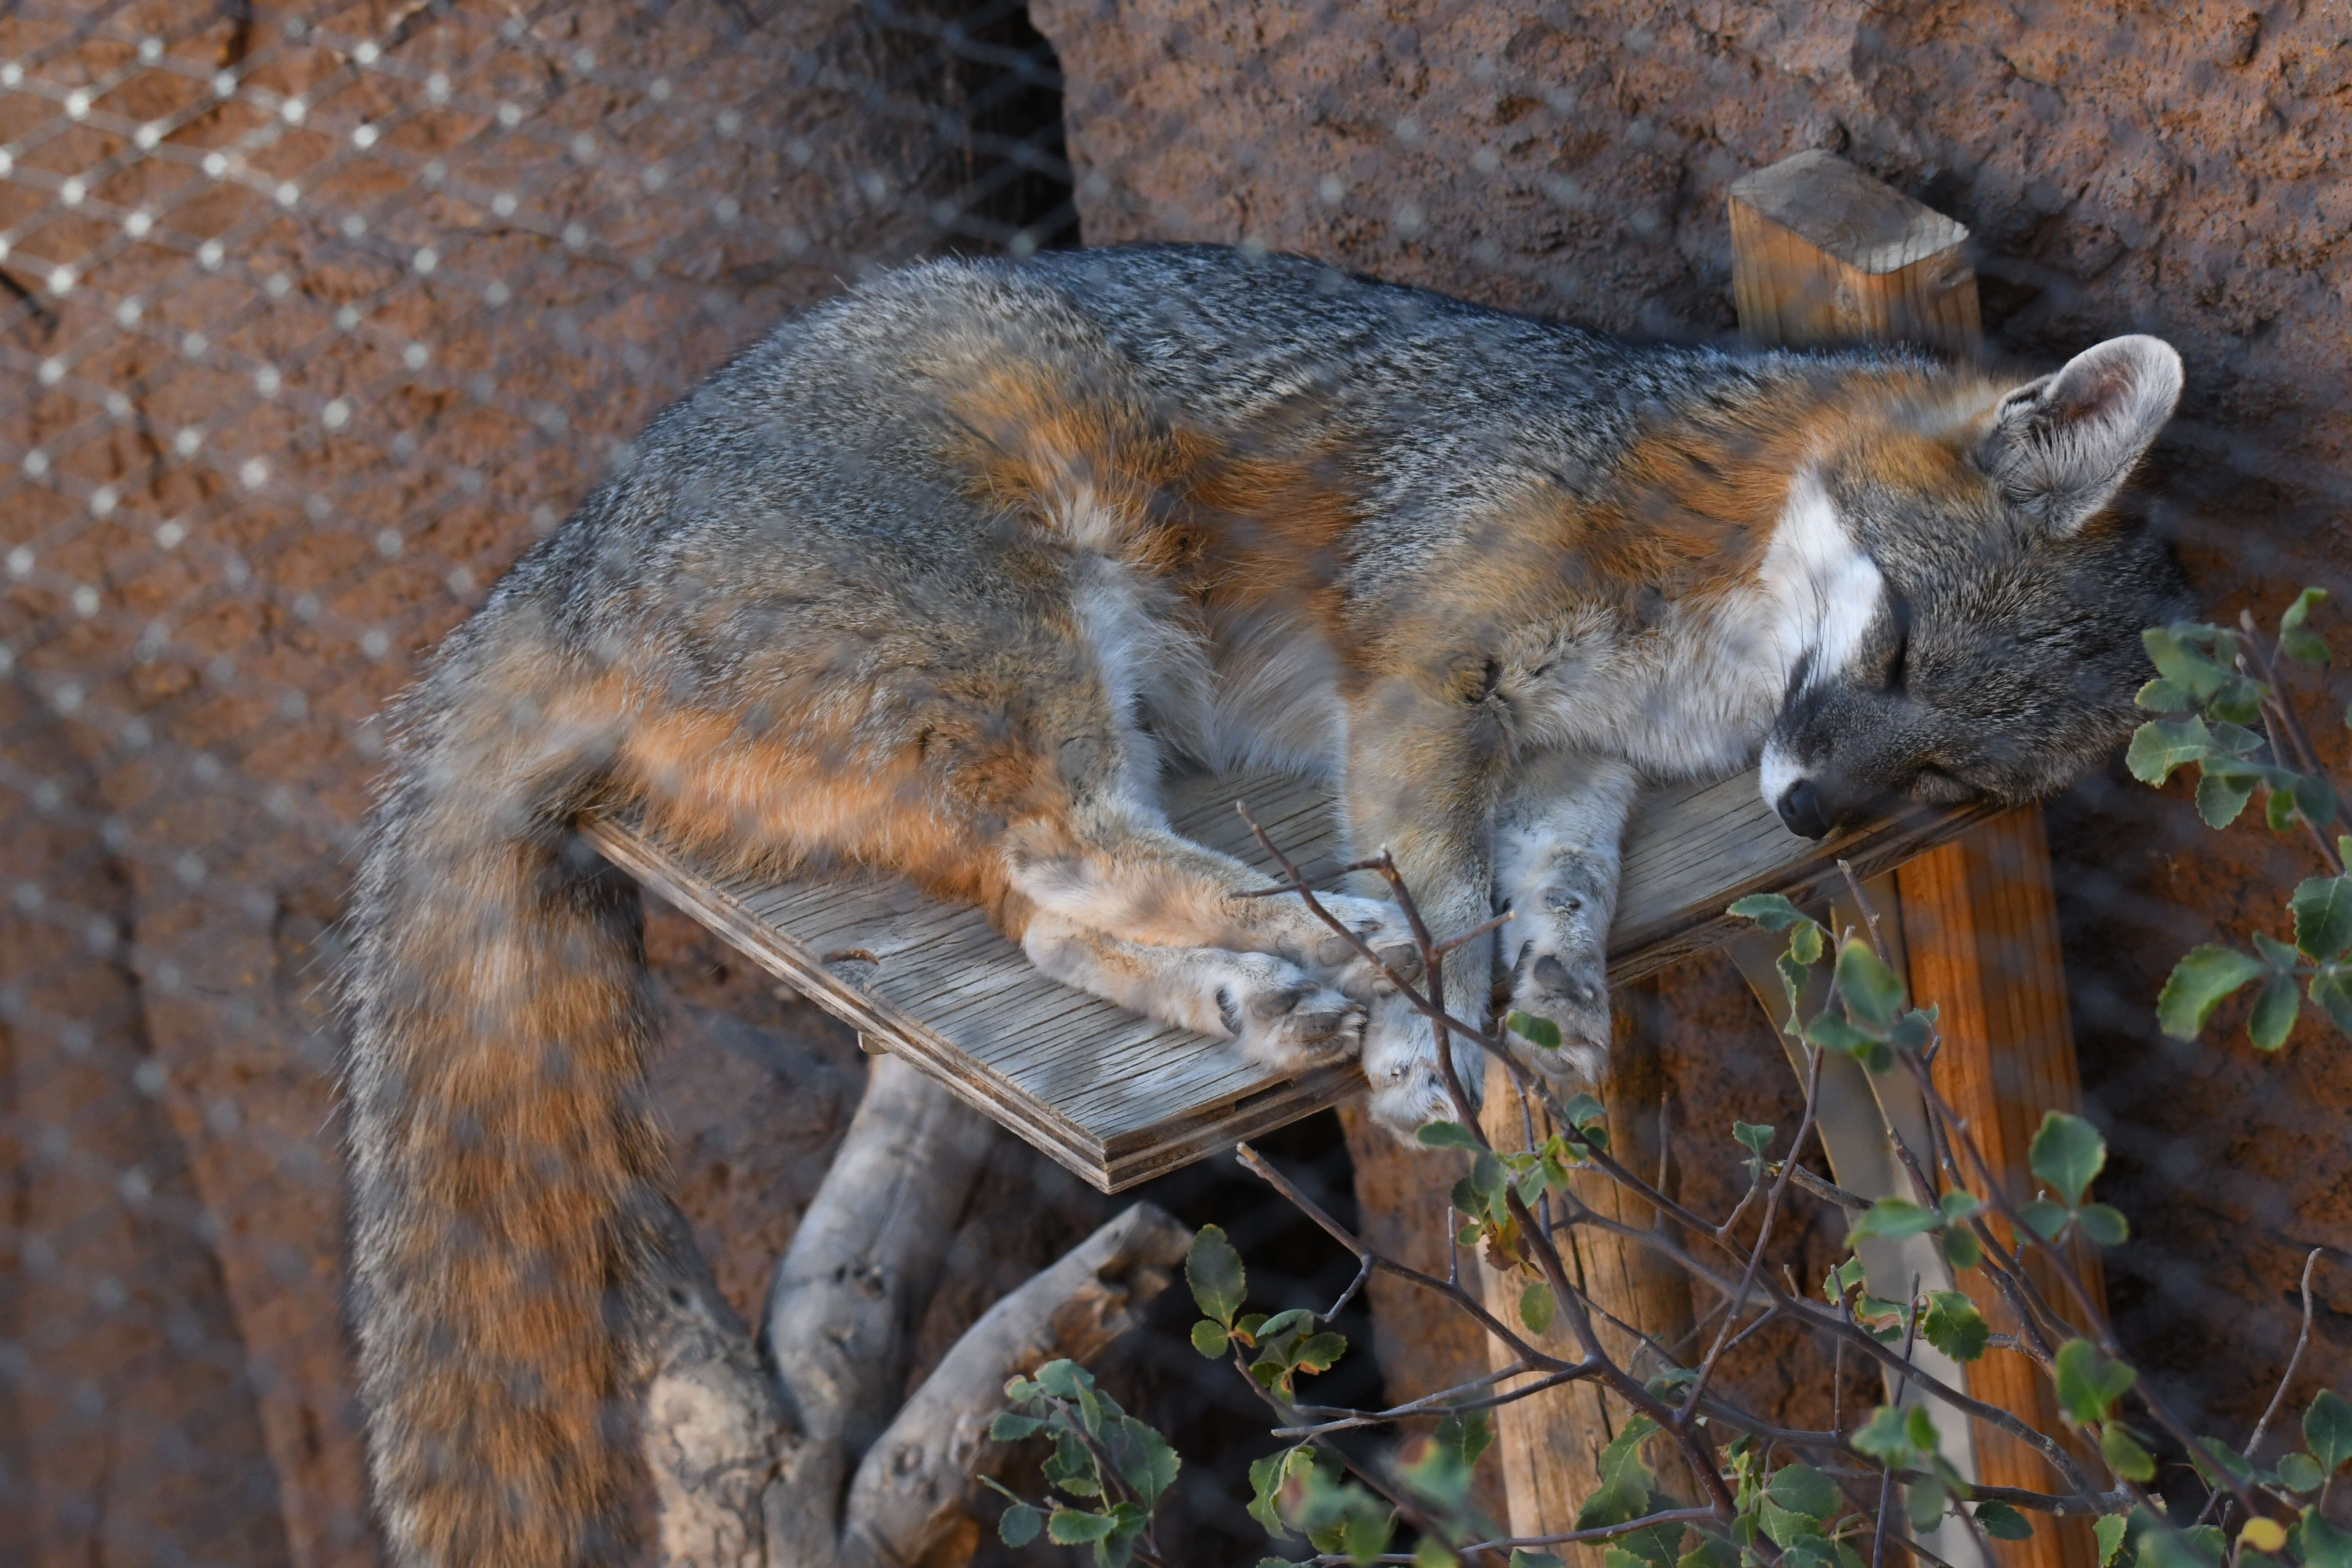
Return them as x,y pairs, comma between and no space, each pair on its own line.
316,316
2123,167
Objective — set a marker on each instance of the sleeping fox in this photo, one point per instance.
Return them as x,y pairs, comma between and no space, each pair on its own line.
944,576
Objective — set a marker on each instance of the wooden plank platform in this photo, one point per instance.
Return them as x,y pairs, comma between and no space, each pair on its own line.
1119,1099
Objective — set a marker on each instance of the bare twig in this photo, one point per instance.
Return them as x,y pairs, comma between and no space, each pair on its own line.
1763,1239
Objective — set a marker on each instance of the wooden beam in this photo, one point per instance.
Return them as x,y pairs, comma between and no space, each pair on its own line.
1550,1442
1982,919
1825,254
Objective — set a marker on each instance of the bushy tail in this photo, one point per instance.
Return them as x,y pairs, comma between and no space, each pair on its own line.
503,1160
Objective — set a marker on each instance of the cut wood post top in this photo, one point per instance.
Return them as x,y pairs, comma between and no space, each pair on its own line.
1823,254
1849,216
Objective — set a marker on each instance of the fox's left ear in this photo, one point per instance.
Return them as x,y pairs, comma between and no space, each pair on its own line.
2061,445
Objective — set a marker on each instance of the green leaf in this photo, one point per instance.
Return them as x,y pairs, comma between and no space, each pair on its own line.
1541,1033
1537,1306
2221,799
2067,1152
2219,1460
1786,1529
1320,1353
1805,945
1894,1218
1752,1136
2299,1472
2161,745
1625,1491
1075,1527
2202,979
2044,1218
1961,1247
2239,701
2109,1530
1467,1436
2296,639
1924,1501
1008,1428
2332,994
1267,1476
1145,1461
1802,1490
2106,1226
1296,1320
2323,916
1431,1552
1071,1466
1770,910
1872,996
1209,1339
2163,1545
1831,1033
1447,1135
2316,798
2163,695
2327,1430
1886,1436
2280,957
2322,1545
1954,1326
1709,1553
2274,1013
1019,1525
2123,1453
1522,1558
2178,653
1364,1535
1213,1270
2088,1382
2003,1523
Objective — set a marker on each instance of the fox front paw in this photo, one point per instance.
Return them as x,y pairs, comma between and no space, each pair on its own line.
1285,1019
1378,925
1408,1090
1560,970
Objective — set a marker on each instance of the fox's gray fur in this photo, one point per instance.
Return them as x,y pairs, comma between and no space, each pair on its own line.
943,577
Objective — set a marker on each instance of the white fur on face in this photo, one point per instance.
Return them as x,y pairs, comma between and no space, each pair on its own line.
1826,592
1779,771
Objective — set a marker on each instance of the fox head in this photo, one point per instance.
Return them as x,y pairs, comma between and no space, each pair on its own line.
1984,642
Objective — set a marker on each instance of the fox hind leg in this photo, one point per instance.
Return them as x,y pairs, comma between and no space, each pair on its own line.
1283,1016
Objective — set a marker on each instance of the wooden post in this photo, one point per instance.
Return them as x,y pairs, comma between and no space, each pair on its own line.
1550,1442
1823,254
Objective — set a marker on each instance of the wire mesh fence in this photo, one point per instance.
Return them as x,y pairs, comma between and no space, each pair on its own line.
317,315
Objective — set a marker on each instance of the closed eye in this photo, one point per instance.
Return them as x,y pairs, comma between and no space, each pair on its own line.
1898,662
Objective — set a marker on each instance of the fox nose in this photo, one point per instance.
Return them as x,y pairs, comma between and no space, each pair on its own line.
1801,810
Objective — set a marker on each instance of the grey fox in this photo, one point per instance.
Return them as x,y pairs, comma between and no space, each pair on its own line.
940,578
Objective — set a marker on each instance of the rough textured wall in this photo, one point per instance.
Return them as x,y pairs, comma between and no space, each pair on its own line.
316,316
2172,169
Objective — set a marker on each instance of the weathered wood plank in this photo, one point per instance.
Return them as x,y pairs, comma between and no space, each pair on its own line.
1118,1098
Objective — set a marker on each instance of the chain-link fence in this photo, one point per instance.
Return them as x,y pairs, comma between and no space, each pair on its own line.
317,314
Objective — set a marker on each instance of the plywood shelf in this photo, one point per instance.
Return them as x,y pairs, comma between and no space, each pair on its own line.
1119,1099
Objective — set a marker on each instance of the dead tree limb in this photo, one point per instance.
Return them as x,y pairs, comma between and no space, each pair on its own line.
801,1453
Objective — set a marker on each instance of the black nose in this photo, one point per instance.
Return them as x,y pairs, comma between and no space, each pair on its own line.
1801,808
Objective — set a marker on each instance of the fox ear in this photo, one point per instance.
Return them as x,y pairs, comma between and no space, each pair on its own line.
2060,445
